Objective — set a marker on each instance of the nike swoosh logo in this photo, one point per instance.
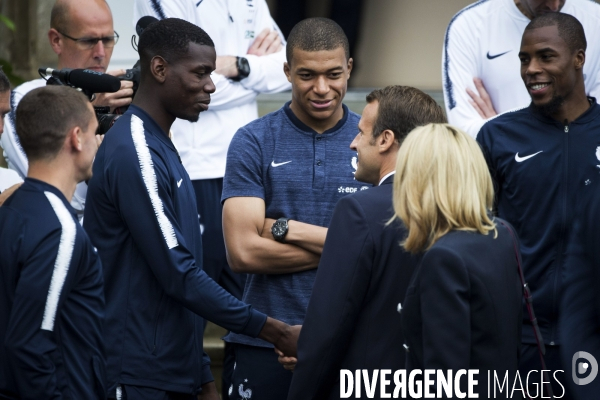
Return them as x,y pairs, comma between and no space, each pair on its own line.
521,159
179,183
275,165
490,57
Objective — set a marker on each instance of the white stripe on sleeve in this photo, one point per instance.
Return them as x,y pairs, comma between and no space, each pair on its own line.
63,259
149,177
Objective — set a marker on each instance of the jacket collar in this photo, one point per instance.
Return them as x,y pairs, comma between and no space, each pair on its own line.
149,122
305,128
388,179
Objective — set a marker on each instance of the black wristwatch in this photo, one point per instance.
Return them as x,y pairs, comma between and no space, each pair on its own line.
280,229
243,67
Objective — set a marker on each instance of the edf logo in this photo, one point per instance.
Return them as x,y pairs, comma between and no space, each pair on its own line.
581,367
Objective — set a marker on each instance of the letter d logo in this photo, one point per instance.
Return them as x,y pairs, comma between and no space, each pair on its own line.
582,367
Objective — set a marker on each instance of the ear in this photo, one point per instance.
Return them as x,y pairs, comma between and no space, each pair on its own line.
386,141
287,71
350,64
158,68
55,41
579,59
74,139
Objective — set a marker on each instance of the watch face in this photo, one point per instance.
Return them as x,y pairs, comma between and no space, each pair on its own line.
278,229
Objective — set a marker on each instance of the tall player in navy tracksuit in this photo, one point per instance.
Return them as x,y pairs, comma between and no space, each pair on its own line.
51,287
543,159
141,214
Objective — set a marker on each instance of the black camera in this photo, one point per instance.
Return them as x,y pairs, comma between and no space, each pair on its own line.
106,119
91,82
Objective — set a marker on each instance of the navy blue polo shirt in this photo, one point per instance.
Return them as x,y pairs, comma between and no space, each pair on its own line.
300,175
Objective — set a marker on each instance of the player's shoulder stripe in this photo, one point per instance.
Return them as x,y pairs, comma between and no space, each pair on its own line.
63,259
150,180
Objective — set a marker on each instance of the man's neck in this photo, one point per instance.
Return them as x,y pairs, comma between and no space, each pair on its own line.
570,111
152,107
522,8
54,173
319,126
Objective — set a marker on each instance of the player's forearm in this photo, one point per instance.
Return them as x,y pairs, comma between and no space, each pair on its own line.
307,236
265,256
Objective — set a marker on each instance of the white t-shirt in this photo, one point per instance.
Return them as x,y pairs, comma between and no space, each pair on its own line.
13,152
232,25
483,40
8,178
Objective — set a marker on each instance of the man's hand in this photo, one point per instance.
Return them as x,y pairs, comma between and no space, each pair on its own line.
226,66
118,99
283,336
209,392
482,102
287,344
288,363
8,192
267,42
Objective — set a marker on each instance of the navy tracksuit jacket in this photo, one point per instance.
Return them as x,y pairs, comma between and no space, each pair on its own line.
51,300
141,215
541,167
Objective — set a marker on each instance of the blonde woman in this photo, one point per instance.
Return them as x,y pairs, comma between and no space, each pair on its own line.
463,307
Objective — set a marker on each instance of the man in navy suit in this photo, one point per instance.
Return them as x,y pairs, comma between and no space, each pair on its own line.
352,320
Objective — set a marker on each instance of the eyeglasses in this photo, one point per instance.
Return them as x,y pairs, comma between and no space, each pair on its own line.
89,43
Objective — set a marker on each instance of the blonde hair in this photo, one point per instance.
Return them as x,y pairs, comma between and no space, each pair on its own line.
442,183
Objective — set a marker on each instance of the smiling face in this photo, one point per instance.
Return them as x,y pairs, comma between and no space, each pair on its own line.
319,82
536,8
550,70
369,161
188,85
93,20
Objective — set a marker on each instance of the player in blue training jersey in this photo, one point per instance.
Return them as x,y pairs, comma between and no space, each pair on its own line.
141,214
51,287
285,172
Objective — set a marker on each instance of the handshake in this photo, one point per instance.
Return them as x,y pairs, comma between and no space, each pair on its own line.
285,339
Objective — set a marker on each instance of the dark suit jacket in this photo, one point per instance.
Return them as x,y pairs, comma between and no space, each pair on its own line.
463,307
352,322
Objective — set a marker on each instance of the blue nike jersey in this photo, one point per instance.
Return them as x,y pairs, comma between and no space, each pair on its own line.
51,300
301,175
141,214
541,167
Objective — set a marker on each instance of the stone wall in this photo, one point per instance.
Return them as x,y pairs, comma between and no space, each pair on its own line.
27,47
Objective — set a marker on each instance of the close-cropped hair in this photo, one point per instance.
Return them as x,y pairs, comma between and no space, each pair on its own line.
316,34
170,39
4,82
403,108
44,117
569,28
442,183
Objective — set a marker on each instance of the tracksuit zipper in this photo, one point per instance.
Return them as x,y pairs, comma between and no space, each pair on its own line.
563,219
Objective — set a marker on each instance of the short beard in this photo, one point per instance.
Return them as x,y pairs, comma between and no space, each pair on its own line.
551,107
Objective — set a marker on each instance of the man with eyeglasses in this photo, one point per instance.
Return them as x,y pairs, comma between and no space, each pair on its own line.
82,35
